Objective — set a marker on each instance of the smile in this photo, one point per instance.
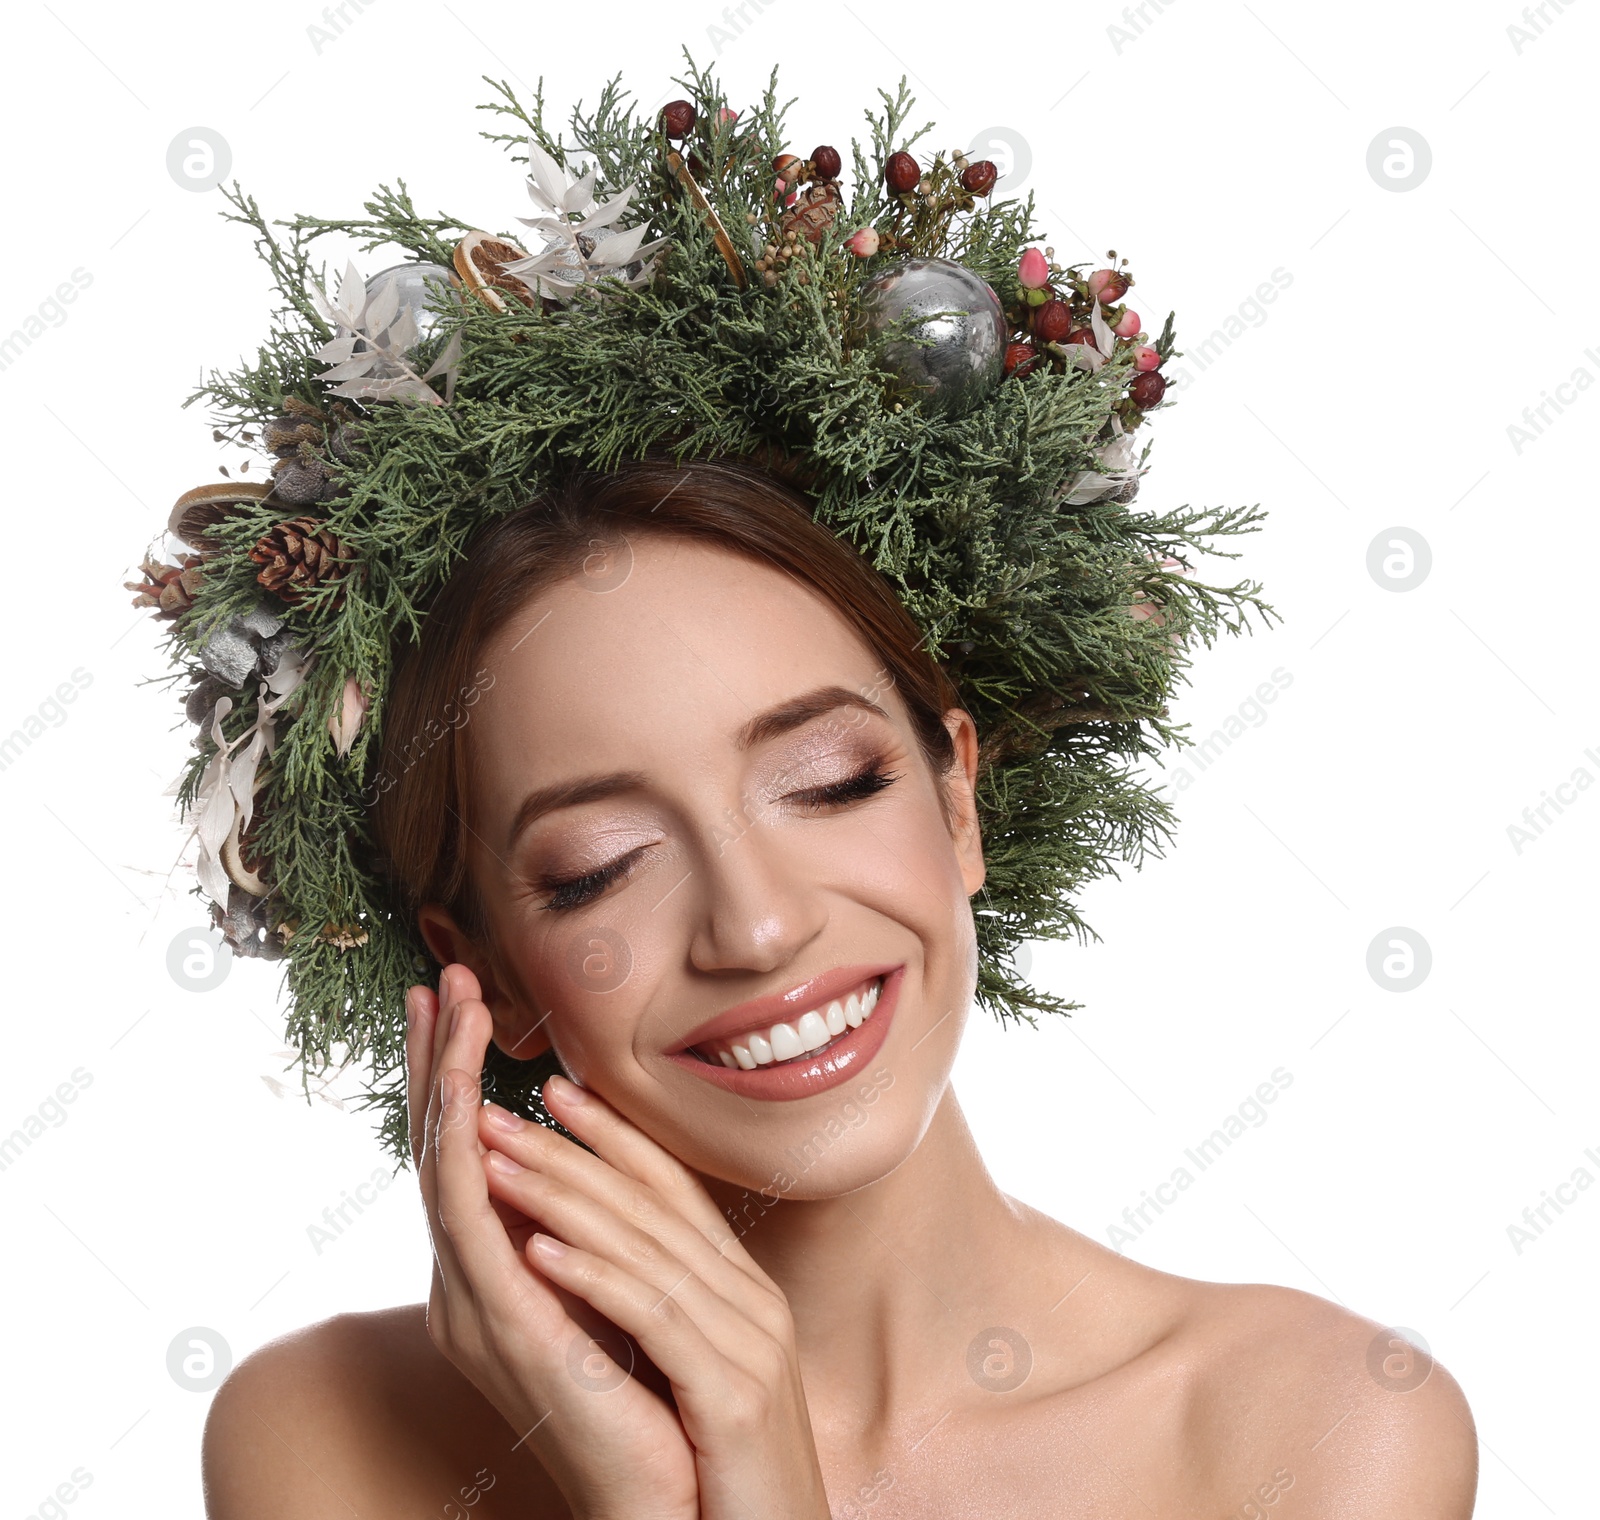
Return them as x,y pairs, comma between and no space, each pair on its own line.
813,1037
814,1032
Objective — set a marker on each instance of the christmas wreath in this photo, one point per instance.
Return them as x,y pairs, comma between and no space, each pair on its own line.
963,409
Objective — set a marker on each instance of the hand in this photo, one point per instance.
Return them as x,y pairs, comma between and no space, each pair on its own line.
630,1239
618,1454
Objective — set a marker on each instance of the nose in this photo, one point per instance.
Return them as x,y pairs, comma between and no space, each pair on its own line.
755,907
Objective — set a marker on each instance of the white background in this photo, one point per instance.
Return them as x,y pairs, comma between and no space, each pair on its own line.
1218,144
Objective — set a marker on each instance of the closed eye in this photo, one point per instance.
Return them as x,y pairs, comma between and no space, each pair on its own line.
867,783
575,891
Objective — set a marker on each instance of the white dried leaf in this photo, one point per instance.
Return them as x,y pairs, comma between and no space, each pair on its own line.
620,247
579,195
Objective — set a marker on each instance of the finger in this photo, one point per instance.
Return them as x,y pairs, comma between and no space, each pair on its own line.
625,1198
492,1268
627,1148
422,1014
666,1333
574,1217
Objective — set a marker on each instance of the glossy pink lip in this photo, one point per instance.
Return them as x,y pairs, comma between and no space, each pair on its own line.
844,1059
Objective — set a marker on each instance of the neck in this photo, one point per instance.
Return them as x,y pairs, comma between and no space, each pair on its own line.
888,1284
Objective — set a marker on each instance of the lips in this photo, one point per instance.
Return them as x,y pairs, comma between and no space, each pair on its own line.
759,1048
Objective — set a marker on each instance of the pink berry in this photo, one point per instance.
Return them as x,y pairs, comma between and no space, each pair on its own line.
1145,357
726,118
864,243
1108,285
1033,272
1127,326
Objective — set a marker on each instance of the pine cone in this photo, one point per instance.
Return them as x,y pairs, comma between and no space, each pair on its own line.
812,213
298,556
171,589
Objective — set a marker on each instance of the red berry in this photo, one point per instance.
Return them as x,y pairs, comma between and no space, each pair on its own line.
1020,358
678,118
979,178
1052,321
826,162
786,165
901,174
1085,336
1147,389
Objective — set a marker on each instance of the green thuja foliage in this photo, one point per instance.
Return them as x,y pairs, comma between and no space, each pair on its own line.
1025,599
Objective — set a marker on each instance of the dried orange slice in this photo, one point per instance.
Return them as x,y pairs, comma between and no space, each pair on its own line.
480,258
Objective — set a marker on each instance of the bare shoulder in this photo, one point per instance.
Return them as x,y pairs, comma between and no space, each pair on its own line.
1322,1409
360,1410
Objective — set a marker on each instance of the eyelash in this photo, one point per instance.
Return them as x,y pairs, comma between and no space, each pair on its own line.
578,890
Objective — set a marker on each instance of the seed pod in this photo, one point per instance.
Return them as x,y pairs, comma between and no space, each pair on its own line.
901,174
678,118
826,162
979,178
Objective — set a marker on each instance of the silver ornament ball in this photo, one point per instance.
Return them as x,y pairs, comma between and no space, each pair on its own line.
420,294
939,328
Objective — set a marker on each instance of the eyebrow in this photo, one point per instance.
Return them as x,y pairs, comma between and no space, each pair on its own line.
771,724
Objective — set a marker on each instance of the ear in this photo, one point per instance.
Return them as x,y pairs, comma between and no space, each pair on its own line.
519,1030
961,792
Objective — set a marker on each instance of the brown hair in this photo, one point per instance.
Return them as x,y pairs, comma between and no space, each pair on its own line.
419,812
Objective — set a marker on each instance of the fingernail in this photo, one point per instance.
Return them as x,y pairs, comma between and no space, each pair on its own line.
503,1164
565,1091
546,1247
411,1010
502,1118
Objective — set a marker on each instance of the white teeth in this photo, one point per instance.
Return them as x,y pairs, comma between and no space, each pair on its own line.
812,1031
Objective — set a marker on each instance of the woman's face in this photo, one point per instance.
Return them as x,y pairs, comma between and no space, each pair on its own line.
700,812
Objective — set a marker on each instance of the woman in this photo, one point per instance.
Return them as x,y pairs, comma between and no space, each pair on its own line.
710,835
